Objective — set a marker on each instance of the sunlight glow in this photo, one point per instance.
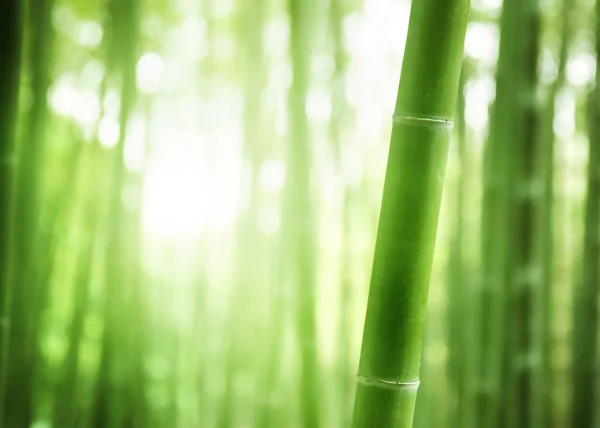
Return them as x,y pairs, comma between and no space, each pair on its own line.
564,117
108,131
479,93
67,100
149,73
581,69
481,42
88,34
272,175
184,194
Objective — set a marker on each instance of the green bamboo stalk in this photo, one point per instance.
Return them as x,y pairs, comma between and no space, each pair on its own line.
495,228
137,411
297,200
66,406
10,50
547,388
108,399
344,390
458,293
524,289
266,413
247,234
388,374
28,291
584,411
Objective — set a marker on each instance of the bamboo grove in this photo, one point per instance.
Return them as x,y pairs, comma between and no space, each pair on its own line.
299,213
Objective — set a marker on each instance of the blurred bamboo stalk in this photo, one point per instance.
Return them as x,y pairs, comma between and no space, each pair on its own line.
109,407
584,411
245,278
525,289
300,240
459,284
11,30
546,214
29,288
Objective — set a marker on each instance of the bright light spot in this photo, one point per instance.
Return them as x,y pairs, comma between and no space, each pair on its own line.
63,19
564,115
185,194
272,175
491,4
108,131
479,93
173,197
88,34
66,100
149,73
385,28
92,73
269,221
318,106
581,69
63,95
353,32
276,37
481,42
86,107
192,35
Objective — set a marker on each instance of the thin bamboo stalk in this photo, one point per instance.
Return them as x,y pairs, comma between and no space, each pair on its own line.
339,110
458,293
244,280
495,229
10,51
525,289
29,292
108,398
298,211
547,388
66,406
585,319
388,374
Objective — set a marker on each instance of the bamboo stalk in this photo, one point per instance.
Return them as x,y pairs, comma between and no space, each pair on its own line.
344,387
108,398
547,387
10,51
525,287
459,288
247,235
388,374
493,358
298,212
585,319
29,290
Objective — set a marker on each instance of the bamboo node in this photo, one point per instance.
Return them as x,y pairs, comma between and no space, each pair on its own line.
386,383
425,121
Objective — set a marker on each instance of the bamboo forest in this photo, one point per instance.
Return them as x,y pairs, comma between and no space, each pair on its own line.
299,213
